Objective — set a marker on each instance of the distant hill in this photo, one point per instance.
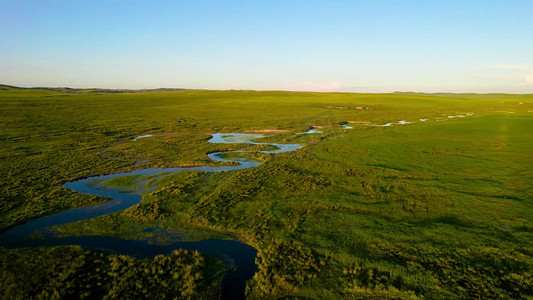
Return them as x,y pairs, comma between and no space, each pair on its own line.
89,90
118,91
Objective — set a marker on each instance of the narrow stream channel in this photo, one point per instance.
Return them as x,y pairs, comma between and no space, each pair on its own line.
239,256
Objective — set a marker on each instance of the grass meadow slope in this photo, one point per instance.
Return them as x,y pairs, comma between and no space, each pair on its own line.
438,206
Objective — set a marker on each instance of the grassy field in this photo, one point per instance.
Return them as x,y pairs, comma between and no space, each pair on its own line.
439,208
74,273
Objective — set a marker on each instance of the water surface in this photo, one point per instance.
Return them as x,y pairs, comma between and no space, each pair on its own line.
239,256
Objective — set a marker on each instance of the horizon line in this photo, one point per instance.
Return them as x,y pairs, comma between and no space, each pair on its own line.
169,89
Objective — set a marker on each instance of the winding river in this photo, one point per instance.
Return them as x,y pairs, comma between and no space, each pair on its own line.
239,256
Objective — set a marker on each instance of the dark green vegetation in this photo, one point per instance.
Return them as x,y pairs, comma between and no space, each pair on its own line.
74,273
431,209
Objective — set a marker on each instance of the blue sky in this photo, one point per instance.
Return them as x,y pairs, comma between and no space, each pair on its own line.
357,46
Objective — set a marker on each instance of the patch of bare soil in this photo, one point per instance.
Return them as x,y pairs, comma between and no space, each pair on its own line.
266,131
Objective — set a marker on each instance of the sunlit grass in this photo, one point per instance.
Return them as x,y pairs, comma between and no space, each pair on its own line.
416,205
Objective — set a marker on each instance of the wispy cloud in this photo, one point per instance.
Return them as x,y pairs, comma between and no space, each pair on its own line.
523,67
529,79
517,74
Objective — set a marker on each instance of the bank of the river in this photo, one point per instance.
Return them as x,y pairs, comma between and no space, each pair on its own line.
238,256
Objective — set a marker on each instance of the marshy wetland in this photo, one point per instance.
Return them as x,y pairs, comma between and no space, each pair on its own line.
425,196
240,257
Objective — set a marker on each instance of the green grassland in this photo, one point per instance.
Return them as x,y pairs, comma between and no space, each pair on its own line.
438,209
74,273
